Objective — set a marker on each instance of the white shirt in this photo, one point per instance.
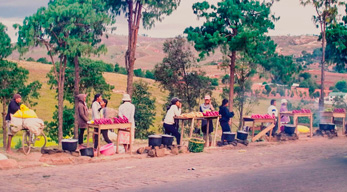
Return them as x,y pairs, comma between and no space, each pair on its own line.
171,113
128,110
95,110
272,110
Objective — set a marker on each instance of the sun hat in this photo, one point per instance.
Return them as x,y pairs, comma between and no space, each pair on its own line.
284,101
126,97
207,97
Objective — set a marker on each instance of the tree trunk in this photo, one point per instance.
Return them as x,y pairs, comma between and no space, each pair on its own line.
4,130
134,19
76,92
321,99
60,110
231,81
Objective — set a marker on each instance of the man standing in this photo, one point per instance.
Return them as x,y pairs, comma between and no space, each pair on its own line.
272,110
13,107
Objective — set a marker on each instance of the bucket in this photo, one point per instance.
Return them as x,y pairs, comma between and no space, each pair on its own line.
107,149
196,145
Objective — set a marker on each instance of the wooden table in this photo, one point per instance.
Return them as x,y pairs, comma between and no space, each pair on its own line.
192,119
263,132
334,115
295,120
121,126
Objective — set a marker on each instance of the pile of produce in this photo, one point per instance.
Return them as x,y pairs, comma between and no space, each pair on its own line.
328,110
266,116
114,120
211,113
191,115
302,111
339,110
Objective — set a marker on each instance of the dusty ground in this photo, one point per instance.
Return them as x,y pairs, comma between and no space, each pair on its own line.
137,172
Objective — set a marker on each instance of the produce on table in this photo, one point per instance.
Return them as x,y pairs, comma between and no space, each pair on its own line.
266,116
191,115
108,121
328,110
302,111
211,113
339,110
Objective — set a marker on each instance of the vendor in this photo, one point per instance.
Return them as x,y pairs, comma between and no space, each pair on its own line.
272,110
170,126
284,118
127,109
82,118
97,114
226,115
207,106
13,107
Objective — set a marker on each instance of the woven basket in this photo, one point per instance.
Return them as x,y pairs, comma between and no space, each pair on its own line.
196,145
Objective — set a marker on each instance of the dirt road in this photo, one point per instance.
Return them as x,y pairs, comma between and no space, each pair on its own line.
134,174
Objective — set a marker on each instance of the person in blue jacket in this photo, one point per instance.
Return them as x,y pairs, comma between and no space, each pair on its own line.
226,115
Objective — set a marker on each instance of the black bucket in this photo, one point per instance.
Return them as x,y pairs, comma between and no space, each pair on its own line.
289,129
242,135
154,140
228,136
167,140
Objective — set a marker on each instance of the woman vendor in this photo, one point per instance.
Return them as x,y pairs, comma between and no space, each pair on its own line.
127,109
169,122
82,117
284,118
226,115
97,114
207,106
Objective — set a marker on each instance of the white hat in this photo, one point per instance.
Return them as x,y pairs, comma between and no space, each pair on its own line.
126,97
207,97
284,101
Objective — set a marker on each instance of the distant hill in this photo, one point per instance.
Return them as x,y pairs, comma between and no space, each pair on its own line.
149,50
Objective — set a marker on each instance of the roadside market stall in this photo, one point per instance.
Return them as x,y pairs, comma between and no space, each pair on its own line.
337,113
260,119
296,114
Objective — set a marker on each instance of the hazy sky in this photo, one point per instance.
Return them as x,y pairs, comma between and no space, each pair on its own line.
294,18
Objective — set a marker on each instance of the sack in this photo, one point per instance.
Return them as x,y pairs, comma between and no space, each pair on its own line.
124,137
16,124
34,125
25,112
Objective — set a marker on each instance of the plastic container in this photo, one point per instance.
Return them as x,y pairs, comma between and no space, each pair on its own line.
107,149
69,144
196,145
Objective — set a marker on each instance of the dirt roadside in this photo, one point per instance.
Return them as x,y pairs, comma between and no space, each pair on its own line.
138,172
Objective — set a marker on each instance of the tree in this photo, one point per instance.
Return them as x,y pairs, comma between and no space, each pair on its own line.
43,60
175,73
68,29
144,109
149,74
336,51
137,10
235,23
139,73
326,12
341,86
13,80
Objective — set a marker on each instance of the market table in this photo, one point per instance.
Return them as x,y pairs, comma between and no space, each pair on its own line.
295,120
258,120
192,119
120,126
334,115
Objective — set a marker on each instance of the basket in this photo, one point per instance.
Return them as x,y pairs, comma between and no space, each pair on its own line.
196,145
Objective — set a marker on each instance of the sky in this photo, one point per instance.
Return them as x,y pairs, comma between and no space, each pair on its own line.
294,18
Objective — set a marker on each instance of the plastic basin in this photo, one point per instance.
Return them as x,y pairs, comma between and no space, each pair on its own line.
107,149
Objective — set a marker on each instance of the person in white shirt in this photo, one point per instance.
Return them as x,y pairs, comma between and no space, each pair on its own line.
272,110
169,121
97,114
127,109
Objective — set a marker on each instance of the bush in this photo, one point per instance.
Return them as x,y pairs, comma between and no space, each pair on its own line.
139,73
149,74
268,89
341,86
43,60
30,59
214,82
68,124
144,109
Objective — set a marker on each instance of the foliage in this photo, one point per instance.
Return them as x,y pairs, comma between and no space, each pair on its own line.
341,86
336,51
268,89
139,73
149,74
30,59
18,144
175,73
68,124
214,81
307,58
43,60
235,26
68,29
5,43
144,109
305,75
135,11
226,79
92,80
